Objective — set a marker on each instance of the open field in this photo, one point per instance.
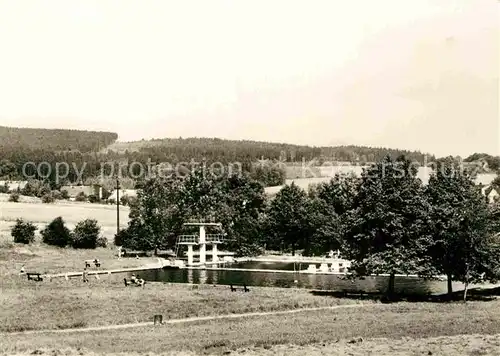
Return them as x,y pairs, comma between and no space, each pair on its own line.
63,304
336,329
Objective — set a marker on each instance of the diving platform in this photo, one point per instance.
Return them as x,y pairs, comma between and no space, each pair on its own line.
202,239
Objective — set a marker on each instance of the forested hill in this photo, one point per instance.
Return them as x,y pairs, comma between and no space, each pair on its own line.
86,151
31,139
184,149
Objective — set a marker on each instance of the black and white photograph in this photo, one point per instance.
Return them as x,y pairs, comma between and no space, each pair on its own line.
249,177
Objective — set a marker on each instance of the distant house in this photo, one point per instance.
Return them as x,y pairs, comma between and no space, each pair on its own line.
14,184
131,193
491,193
74,190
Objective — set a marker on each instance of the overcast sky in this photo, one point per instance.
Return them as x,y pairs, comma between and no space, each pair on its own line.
416,74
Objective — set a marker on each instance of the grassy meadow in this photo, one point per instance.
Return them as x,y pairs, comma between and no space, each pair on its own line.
386,329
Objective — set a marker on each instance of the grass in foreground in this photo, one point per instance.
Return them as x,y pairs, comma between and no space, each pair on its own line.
471,345
390,321
29,305
69,304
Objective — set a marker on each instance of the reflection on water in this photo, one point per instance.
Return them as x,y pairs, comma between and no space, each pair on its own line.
288,280
203,277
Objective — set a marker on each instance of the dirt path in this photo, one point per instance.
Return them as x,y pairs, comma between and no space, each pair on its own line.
186,320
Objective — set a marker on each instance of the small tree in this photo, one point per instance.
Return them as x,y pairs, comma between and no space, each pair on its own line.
14,197
86,234
56,233
23,232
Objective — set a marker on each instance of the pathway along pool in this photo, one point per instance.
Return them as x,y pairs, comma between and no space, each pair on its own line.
287,280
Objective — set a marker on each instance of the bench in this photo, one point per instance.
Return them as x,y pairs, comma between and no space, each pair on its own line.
96,262
34,277
243,288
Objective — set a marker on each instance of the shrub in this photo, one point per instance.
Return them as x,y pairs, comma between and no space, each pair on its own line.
29,189
93,198
23,232
4,188
57,195
56,233
35,188
105,194
121,236
14,197
124,200
81,197
133,201
64,194
102,241
43,191
112,201
85,234
48,198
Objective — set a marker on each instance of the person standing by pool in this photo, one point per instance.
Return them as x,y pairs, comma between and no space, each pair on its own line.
133,279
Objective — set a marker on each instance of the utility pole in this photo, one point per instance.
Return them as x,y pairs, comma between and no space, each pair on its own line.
117,206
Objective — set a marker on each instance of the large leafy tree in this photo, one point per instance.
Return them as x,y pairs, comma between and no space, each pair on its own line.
330,201
156,217
383,230
464,246
164,205
290,224
242,214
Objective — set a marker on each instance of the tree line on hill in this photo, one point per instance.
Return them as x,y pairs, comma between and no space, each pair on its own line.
31,140
80,156
385,222
215,149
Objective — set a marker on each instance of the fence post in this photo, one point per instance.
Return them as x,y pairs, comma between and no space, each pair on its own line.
158,319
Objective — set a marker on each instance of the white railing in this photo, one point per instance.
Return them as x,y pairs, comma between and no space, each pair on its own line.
195,239
214,238
188,239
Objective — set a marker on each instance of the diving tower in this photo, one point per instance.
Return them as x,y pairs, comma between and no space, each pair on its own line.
202,240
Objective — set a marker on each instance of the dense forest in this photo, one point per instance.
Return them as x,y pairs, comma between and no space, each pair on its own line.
232,150
80,156
30,139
